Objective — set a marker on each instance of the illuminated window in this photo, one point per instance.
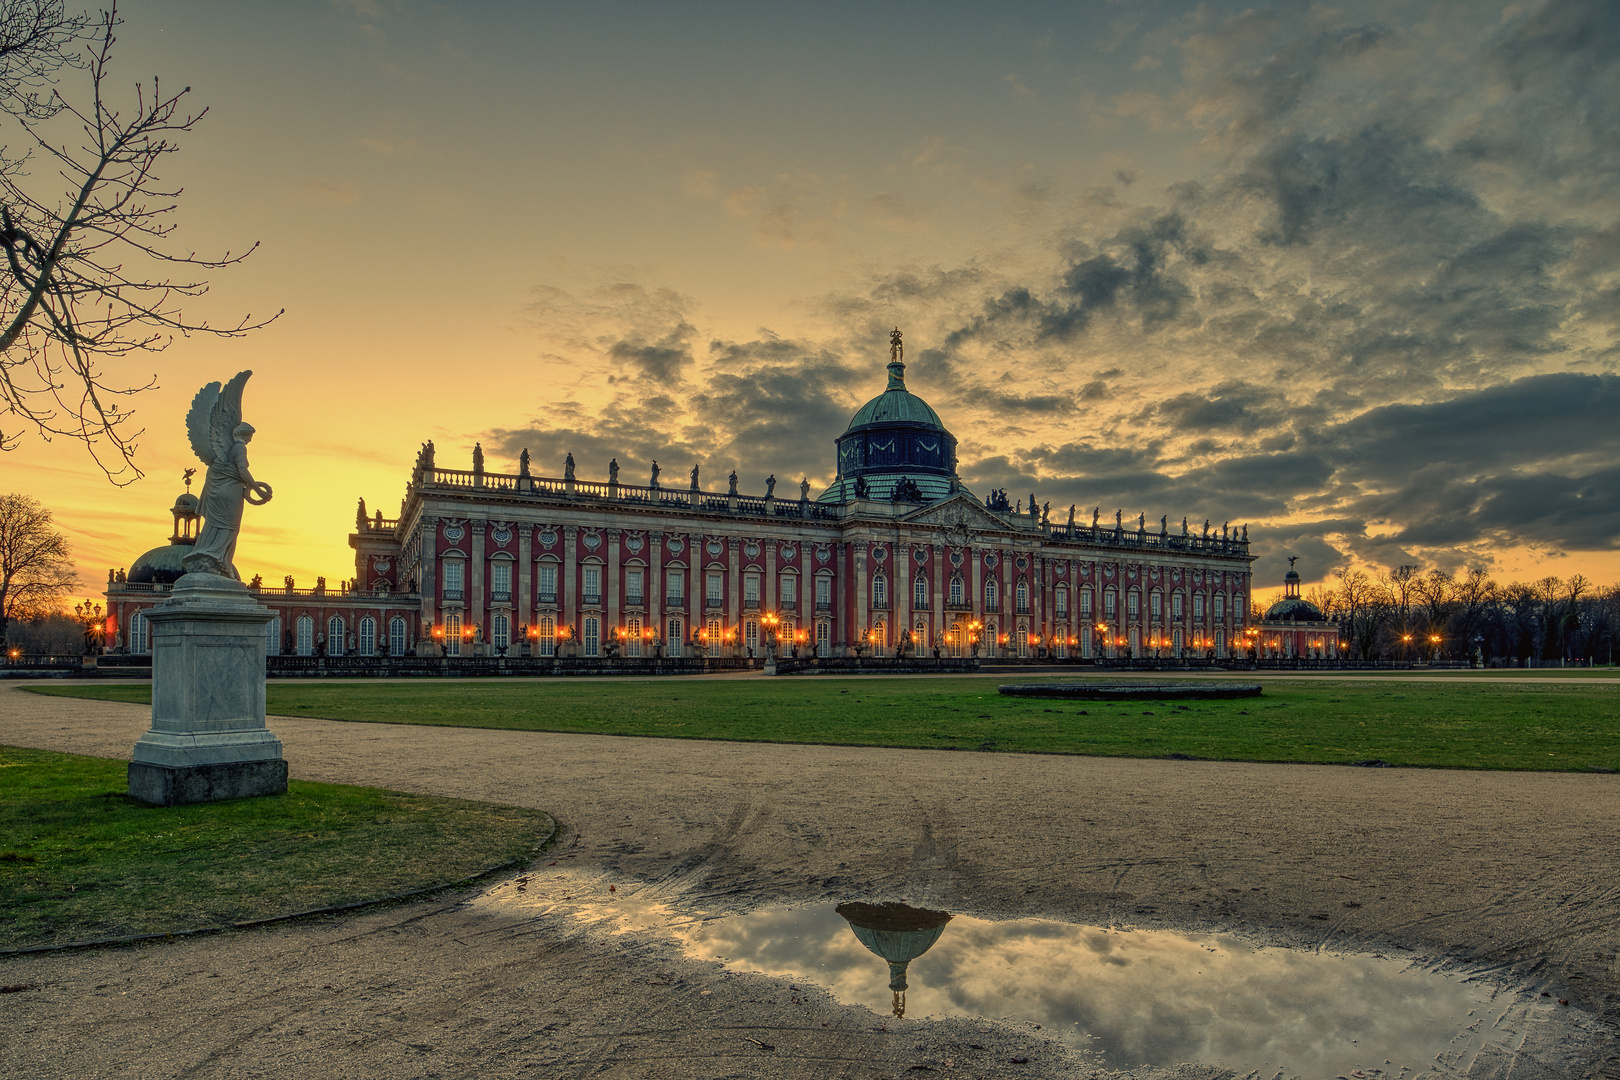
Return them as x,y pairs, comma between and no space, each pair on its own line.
593,636
546,635
632,636
452,633
677,636
713,633
500,631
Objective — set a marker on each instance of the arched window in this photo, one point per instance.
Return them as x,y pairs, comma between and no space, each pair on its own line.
956,591
990,639
396,636
1022,596
1021,637
992,595
500,631
452,633
633,636
674,644
593,636
305,642
880,592
368,636
335,631
1220,643
953,640
879,636
1175,642
1088,634
712,635
1136,640
919,592
140,634
546,635
824,639
919,635
272,637
751,636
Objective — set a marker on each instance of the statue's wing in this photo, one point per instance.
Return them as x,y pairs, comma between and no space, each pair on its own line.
198,422
227,414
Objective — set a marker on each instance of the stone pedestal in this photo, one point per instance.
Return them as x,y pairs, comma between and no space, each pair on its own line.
208,738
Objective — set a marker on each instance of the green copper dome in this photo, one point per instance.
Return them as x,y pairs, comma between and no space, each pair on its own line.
896,447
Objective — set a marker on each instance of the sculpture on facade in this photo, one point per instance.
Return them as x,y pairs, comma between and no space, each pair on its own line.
804,490
478,457
655,472
1141,523
1071,518
523,462
568,467
770,486
613,471
1164,525
219,437
694,478
732,489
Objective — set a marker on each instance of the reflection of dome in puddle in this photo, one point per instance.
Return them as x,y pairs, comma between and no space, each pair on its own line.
898,933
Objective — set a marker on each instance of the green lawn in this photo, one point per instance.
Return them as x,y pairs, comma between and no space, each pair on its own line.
81,860
1500,725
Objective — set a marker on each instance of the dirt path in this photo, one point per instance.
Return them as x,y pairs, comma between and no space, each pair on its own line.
1519,871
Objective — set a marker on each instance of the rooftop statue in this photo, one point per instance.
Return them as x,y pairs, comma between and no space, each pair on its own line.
219,438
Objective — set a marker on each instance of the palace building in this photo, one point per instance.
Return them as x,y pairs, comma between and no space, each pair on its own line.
896,554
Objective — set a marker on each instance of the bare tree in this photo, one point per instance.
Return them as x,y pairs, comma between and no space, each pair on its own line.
1361,607
90,273
34,570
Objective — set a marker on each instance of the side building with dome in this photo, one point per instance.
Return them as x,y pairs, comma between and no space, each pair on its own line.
895,554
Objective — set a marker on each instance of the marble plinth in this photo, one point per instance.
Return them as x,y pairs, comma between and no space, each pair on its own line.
208,738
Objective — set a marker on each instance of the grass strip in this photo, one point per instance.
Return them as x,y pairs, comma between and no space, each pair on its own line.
79,859
1504,725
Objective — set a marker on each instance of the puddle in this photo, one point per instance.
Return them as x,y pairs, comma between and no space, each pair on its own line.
1126,998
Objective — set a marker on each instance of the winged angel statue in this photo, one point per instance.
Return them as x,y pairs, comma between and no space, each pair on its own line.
219,437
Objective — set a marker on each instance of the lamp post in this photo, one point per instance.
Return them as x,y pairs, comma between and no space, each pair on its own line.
90,615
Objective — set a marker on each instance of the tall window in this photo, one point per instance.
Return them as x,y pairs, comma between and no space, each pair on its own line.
991,639
919,592
880,592
1175,605
675,587
305,641
335,632
500,580
1060,600
788,629
632,636
1085,604
1110,603
992,595
751,635
593,636
1155,606
1023,642
272,637
368,636
632,588
593,587
452,633
396,636
956,590
712,636
677,635
879,635
823,593
1176,641
454,574
546,635
823,639
1023,597
919,635
790,590
548,583
715,589
500,631
1198,605
1220,605
1133,604
1220,643
751,590
1136,640
140,634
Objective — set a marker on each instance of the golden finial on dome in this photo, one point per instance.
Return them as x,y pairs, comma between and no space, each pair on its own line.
896,350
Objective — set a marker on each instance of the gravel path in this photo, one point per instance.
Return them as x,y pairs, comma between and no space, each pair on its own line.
1514,871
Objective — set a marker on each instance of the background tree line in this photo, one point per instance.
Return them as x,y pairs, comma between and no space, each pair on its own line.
1409,613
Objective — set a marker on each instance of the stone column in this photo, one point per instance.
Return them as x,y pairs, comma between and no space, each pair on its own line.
568,610
525,584
937,619
863,594
612,615
208,740
427,581
902,586
734,588
477,595
655,584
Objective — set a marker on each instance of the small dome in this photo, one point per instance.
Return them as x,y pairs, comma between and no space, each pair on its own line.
1295,608
161,565
1292,575
187,504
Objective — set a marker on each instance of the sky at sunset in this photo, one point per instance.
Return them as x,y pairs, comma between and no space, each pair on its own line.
1349,274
